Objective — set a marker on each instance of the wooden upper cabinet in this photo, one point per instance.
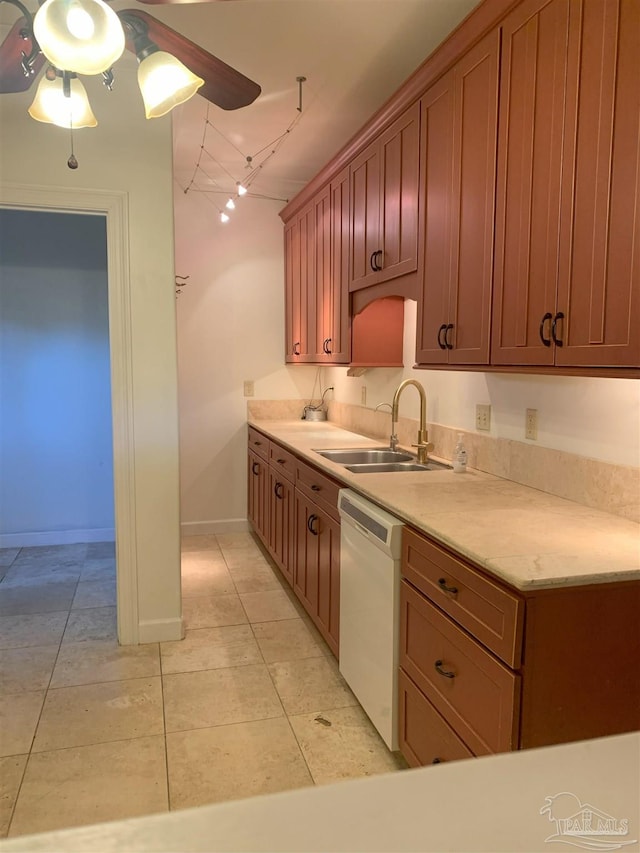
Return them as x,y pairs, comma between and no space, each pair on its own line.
567,277
384,181
599,278
336,309
458,149
300,287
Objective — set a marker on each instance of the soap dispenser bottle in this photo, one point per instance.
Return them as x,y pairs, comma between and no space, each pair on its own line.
459,457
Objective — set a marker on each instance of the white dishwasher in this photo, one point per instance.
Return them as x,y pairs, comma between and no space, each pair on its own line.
370,547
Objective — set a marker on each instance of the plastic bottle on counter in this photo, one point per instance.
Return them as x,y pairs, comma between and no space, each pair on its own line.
459,457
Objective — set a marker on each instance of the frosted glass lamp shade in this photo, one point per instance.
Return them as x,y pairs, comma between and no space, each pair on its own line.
165,82
50,104
84,36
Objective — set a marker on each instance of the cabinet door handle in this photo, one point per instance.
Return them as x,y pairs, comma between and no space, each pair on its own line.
315,488
443,585
310,522
277,490
441,343
296,350
325,346
557,341
447,342
255,468
372,262
545,341
445,672
378,262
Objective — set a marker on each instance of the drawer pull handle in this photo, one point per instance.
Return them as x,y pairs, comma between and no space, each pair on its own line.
444,672
315,488
281,461
437,761
255,468
277,490
443,585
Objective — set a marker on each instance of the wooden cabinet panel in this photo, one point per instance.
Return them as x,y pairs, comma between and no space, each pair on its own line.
458,149
490,613
282,462
365,217
474,153
436,143
258,495
336,308
599,281
316,576
282,523
320,489
258,443
384,182
475,693
424,736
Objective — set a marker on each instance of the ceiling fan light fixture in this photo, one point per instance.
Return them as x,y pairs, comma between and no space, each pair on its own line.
165,82
52,106
84,36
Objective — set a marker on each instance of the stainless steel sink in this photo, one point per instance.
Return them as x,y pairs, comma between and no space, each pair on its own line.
386,467
363,456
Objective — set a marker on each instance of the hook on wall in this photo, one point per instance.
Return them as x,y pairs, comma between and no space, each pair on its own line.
182,283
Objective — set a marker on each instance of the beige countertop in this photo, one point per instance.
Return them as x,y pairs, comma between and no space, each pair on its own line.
583,796
528,538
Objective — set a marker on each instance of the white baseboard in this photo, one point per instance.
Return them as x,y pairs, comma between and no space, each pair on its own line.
57,537
160,630
224,525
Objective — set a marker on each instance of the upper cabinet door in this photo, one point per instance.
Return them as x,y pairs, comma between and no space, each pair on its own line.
339,345
365,217
458,142
472,228
292,295
532,86
384,185
400,164
599,280
436,143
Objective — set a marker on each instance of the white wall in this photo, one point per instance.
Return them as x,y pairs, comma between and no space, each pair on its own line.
230,328
127,153
55,408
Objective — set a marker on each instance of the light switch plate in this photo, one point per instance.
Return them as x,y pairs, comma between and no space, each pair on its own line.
248,387
483,417
531,424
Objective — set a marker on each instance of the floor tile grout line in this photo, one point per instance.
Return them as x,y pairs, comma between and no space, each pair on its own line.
164,730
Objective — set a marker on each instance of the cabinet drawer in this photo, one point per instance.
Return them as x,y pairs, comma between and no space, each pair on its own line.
487,611
475,693
425,738
318,488
259,443
282,461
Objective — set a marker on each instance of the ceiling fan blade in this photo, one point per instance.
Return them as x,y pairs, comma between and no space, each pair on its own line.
174,2
223,86
12,76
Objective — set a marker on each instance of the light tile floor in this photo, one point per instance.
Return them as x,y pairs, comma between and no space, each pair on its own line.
250,702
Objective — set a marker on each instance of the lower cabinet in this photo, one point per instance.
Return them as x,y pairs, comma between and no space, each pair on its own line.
293,508
485,668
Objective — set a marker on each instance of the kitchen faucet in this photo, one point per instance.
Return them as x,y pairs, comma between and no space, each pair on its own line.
423,445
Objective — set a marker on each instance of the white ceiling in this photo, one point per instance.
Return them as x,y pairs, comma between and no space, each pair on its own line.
354,54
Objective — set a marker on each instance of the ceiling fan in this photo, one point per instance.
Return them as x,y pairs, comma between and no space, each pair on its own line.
21,58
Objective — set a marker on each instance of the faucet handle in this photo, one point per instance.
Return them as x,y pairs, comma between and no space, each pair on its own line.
423,450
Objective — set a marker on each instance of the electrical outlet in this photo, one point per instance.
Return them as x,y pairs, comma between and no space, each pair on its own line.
363,395
483,417
531,424
248,387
